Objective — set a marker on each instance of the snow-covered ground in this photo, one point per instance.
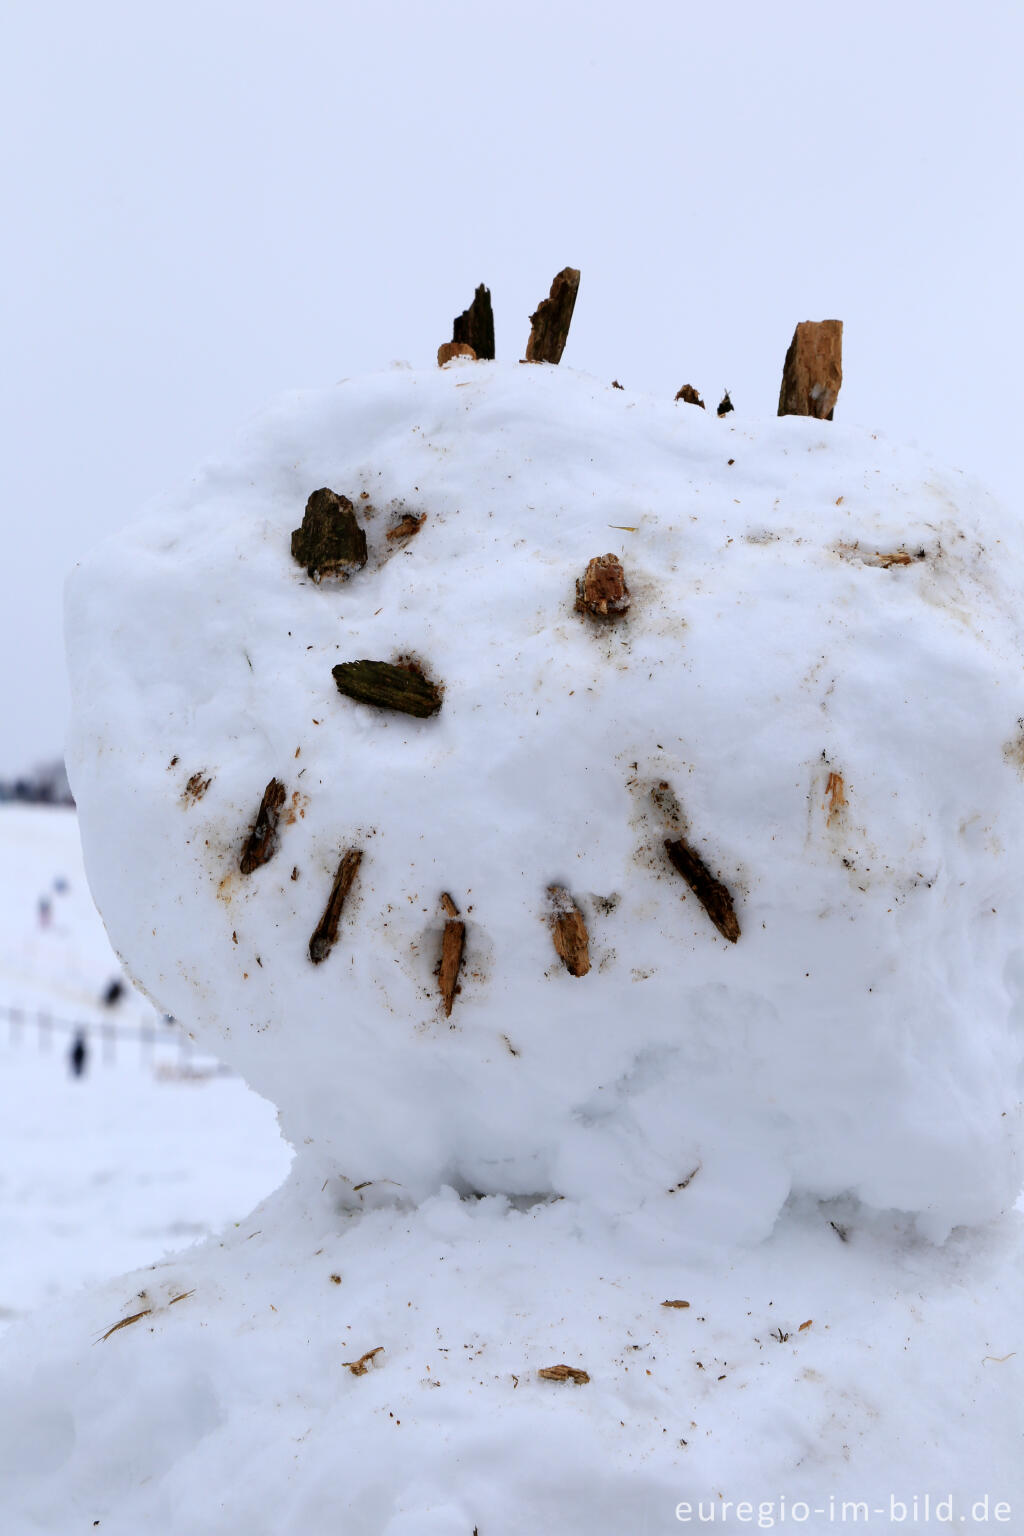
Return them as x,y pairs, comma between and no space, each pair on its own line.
150,1149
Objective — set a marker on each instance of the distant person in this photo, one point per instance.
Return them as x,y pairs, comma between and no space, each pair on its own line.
113,992
45,911
78,1056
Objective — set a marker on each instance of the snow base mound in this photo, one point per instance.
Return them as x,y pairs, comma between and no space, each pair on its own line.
379,1373
812,703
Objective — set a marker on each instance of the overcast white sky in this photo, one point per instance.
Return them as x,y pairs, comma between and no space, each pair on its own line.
208,203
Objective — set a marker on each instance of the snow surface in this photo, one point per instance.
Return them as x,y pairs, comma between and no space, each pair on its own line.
145,1154
774,1131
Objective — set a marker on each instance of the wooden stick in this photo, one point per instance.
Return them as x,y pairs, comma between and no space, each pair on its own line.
475,325
813,371
569,932
261,844
549,326
453,941
325,933
711,893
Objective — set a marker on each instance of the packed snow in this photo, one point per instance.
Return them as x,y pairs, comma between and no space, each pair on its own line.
742,1186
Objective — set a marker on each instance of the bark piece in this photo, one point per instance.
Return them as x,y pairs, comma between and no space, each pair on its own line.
325,933
449,349
261,844
453,942
711,893
407,525
475,325
725,405
330,541
549,327
602,589
813,371
388,685
564,1373
569,932
690,396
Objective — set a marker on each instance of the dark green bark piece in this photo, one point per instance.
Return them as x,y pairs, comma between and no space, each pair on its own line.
388,686
325,933
330,541
475,326
261,844
711,893
549,327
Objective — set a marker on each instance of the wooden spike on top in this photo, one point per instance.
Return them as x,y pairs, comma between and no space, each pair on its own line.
813,371
475,326
549,327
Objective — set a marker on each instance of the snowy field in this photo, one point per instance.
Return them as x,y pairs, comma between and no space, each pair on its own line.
151,1148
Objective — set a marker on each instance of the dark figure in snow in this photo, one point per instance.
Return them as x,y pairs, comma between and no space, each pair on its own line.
44,912
78,1055
113,992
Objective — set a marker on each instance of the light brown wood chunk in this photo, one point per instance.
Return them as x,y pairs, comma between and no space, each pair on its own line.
569,932
449,349
675,1303
261,844
602,589
549,326
325,933
330,541
813,371
711,893
690,396
453,942
564,1373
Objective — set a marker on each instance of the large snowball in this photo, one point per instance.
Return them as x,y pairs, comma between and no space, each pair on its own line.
817,686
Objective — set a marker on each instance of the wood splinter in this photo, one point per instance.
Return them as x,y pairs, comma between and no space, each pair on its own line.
362,1365
453,941
569,932
325,933
711,893
549,326
564,1373
261,844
